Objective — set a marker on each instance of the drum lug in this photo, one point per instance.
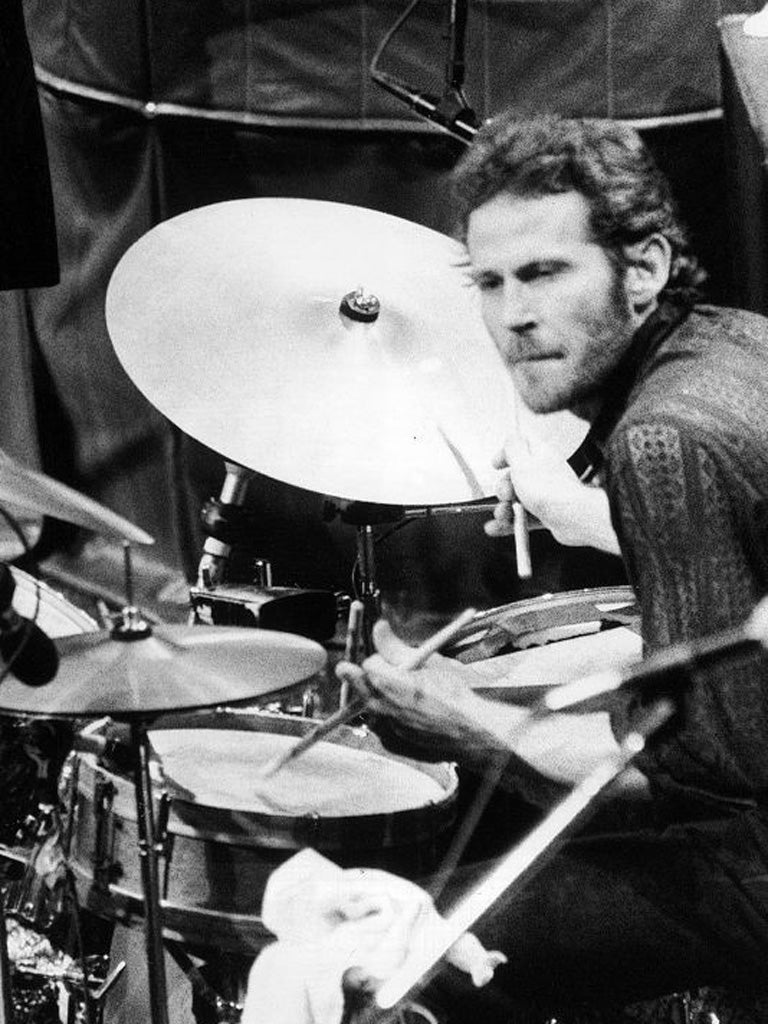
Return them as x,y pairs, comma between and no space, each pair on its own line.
309,702
310,833
163,839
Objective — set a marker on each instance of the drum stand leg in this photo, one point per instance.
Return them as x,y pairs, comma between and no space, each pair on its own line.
226,1011
6,1003
149,849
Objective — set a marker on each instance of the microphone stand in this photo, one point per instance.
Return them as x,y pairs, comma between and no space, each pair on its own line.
456,67
524,858
451,111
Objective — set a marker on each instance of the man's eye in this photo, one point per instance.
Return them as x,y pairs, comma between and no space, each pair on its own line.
486,282
537,271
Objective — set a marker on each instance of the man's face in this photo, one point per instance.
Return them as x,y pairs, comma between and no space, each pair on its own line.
554,303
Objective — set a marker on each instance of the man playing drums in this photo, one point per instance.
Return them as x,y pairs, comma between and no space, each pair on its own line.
589,290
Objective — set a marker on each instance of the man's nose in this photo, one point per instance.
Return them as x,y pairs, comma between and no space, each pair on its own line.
518,314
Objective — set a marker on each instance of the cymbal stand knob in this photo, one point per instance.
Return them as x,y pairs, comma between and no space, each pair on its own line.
131,625
358,305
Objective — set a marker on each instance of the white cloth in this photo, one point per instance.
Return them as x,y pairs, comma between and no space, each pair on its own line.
327,920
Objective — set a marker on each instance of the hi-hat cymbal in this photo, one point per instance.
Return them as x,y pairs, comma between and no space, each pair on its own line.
37,493
174,668
229,319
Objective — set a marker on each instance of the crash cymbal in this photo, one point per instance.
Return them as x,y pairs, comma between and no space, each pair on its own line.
30,491
329,346
174,668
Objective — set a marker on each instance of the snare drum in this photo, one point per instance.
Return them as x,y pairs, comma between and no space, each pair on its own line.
551,640
31,749
229,827
544,620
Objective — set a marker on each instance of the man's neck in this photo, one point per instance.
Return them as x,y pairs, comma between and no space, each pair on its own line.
603,412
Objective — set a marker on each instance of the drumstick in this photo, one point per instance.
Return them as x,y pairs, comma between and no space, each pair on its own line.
352,644
522,545
520,526
356,706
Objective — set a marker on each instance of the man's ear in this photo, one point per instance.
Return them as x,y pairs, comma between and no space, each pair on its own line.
648,268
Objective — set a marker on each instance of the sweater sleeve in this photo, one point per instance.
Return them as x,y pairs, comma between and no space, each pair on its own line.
682,506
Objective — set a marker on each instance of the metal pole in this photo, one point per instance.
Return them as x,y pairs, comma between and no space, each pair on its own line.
369,591
6,1003
148,854
522,858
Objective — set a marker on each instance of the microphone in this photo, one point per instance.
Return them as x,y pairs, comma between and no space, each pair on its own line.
660,670
27,651
452,117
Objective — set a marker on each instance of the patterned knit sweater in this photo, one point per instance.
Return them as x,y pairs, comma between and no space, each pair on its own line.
687,478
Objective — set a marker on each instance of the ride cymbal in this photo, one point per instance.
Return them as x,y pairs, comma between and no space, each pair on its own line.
172,668
329,346
34,492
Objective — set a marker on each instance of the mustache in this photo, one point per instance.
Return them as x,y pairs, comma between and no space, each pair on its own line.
528,349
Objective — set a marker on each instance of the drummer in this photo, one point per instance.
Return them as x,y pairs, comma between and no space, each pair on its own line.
591,294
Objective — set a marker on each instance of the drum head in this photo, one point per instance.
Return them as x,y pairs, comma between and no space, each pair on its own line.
52,612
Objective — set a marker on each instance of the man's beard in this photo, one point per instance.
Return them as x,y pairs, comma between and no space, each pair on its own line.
611,331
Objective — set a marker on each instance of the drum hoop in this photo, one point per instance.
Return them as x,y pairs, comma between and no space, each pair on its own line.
263,830
520,624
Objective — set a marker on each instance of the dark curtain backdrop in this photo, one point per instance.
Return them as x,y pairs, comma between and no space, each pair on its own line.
745,99
152,109
304,63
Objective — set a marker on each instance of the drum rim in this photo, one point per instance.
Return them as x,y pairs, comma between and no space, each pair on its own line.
485,636
263,830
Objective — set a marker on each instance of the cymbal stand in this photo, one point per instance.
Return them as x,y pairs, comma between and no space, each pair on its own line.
364,516
368,591
151,845
6,1004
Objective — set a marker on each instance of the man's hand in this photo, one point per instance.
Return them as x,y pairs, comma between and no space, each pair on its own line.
444,719
535,475
436,702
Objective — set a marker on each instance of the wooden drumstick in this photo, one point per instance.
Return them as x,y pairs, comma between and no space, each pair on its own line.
520,525
522,545
358,705
352,644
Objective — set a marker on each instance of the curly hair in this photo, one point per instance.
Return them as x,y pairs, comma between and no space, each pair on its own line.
606,161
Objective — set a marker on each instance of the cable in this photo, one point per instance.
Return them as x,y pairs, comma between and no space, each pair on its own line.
390,34
451,111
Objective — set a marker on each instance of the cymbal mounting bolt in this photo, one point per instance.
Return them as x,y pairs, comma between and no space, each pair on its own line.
358,305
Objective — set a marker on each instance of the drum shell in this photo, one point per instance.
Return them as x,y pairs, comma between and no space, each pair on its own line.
218,860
